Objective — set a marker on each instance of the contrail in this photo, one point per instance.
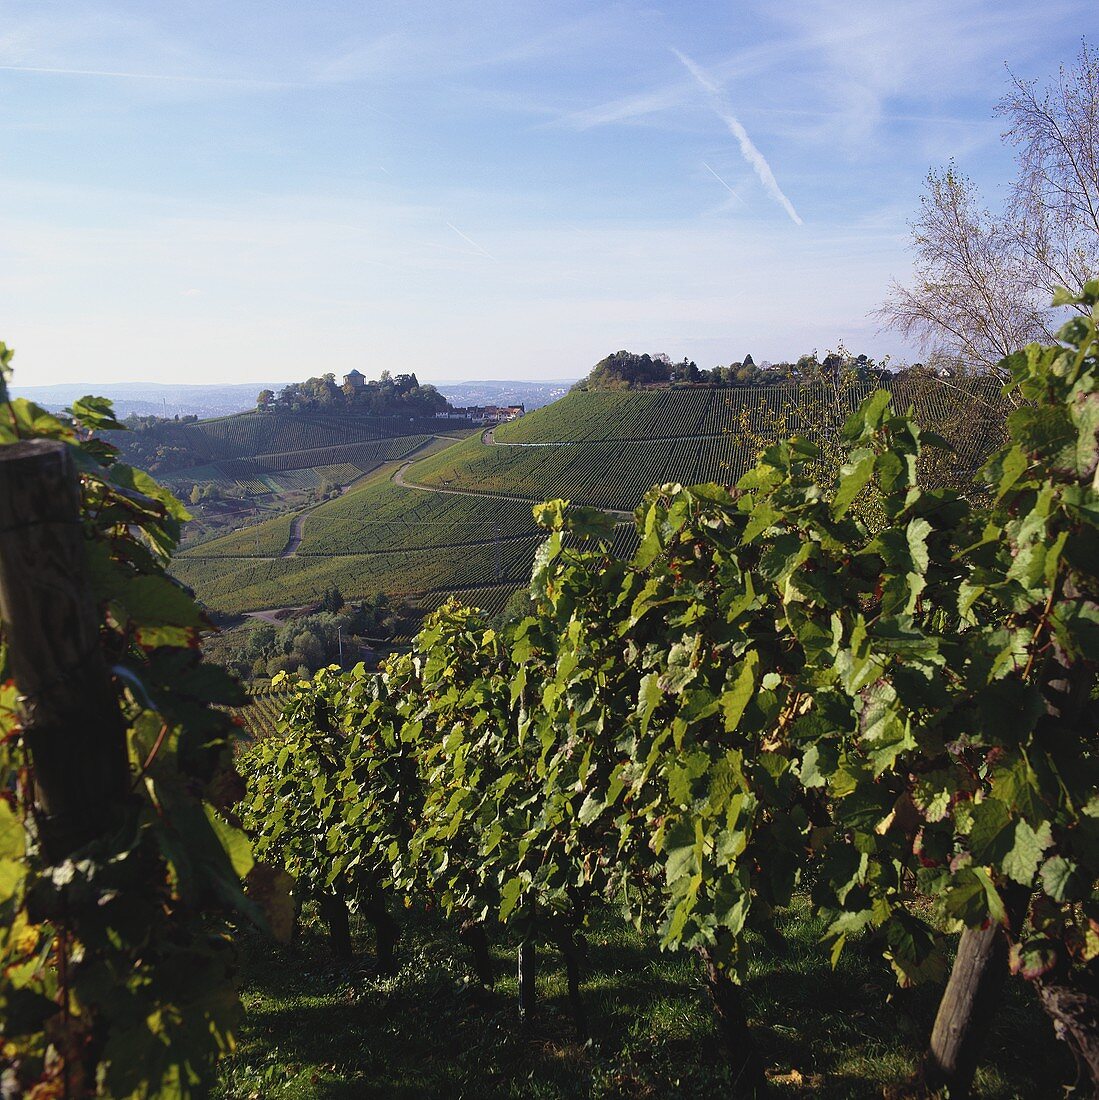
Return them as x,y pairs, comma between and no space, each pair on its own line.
470,241
748,150
147,76
723,183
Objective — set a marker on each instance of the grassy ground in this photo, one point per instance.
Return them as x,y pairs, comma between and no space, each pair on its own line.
314,1031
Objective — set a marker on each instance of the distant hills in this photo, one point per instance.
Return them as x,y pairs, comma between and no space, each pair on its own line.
455,516
171,399
531,394
153,398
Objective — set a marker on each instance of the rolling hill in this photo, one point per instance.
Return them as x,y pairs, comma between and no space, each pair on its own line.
456,517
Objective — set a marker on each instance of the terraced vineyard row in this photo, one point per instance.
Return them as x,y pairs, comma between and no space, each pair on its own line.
249,434
298,470
667,414
236,584
648,414
260,715
365,456
384,516
616,470
383,537
266,539
607,473
490,599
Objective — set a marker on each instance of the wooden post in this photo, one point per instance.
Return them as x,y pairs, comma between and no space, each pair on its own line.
1071,1000
71,721
965,1012
528,973
970,1001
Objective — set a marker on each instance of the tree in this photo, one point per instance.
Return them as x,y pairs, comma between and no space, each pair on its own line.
1054,207
332,599
972,302
982,278
625,370
265,398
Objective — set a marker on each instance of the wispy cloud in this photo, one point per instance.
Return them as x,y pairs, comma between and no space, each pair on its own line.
175,78
747,148
628,108
727,187
470,241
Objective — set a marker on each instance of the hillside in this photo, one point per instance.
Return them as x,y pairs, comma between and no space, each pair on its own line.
236,472
607,449
457,516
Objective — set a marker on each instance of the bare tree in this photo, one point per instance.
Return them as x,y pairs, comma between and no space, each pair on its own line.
983,283
1054,209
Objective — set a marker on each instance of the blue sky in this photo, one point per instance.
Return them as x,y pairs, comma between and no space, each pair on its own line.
200,192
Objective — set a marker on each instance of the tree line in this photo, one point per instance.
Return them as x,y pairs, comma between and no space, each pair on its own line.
389,395
626,370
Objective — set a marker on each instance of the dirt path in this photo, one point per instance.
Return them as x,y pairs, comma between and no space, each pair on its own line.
297,524
399,479
276,616
297,528
488,438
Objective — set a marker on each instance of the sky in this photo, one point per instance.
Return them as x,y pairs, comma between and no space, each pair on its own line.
268,189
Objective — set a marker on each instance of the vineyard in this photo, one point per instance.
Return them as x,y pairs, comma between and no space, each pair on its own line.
860,706
832,720
241,584
607,473
256,433
385,516
588,447
260,715
245,582
366,456
287,471
680,413
416,542
266,539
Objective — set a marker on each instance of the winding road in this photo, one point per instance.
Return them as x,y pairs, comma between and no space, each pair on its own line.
297,524
399,479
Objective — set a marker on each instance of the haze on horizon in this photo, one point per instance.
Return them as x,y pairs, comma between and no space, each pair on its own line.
228,193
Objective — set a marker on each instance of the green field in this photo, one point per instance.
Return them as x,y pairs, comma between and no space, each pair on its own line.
607,449
385,516
269,433
679,413
462,519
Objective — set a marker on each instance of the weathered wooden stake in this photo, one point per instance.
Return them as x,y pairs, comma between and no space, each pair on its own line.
966,1010
70,715
528,974
1071,999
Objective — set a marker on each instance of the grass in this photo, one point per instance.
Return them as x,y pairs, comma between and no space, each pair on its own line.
314,1031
